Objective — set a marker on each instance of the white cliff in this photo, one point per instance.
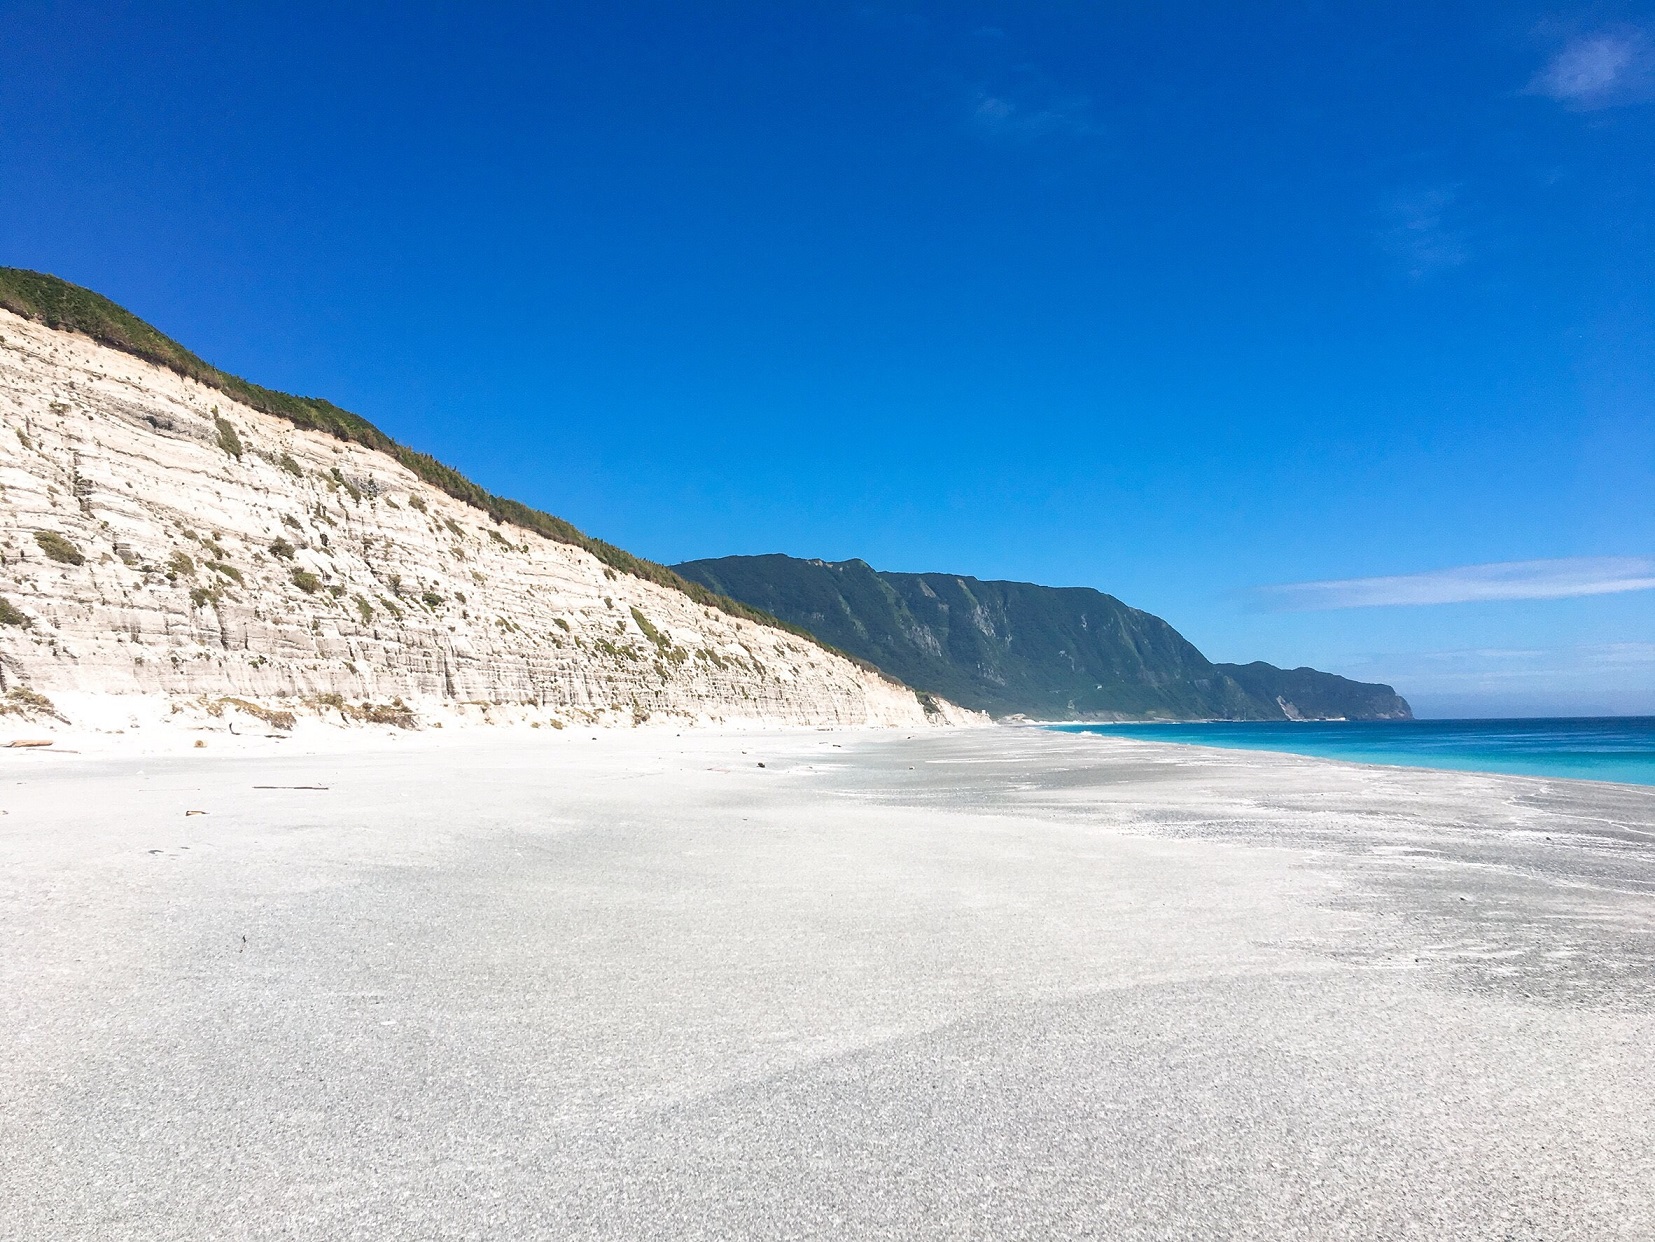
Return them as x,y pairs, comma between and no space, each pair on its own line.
159,539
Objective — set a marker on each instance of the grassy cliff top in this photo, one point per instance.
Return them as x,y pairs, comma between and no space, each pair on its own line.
59,304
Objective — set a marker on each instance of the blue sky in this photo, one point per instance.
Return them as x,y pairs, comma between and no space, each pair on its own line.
1195,305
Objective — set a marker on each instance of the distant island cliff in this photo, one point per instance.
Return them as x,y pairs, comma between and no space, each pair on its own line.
1018,649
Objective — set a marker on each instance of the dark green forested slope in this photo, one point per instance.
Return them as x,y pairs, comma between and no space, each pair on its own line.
1315,695
1008,648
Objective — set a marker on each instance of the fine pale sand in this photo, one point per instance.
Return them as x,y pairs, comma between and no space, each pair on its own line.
993,983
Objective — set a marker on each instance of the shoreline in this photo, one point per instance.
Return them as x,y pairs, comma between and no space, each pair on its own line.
115,726
1519,766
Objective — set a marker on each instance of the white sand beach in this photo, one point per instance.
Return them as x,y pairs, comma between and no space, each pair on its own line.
993,983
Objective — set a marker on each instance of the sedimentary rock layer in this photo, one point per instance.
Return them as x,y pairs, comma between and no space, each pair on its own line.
158,537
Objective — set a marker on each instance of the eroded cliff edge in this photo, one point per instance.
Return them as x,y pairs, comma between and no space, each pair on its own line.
162,538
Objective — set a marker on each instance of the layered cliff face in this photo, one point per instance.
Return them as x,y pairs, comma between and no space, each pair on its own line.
159,537
1052,653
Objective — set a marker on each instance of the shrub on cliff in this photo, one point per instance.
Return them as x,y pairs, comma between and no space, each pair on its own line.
57,548
228,440
22,701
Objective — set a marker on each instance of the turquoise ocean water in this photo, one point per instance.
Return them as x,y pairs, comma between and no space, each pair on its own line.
1620,748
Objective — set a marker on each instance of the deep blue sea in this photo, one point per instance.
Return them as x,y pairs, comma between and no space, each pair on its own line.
1616,748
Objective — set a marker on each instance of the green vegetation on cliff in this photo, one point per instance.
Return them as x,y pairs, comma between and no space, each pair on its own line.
59,304
1014,648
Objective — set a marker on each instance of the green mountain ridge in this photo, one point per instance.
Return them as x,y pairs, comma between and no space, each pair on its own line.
1015,648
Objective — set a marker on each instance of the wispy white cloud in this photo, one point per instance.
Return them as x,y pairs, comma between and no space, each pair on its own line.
1421,230
993,88
897,19
1621,653
1599,70
1005,116
1507,580
1588,679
